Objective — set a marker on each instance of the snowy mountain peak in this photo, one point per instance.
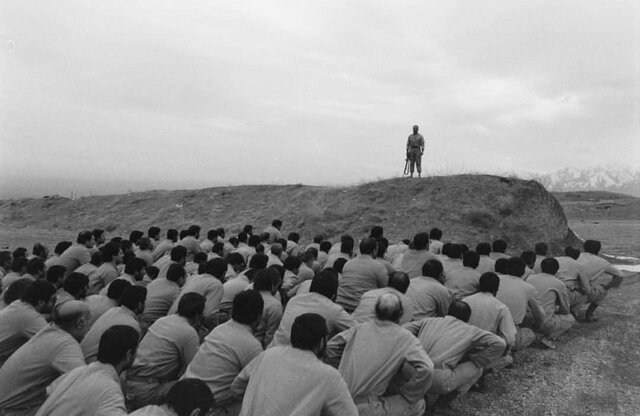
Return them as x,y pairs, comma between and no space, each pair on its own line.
599,178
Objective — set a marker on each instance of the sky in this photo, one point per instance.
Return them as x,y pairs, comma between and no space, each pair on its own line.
107,97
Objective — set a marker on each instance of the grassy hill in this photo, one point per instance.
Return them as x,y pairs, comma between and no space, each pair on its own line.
594,205
469,208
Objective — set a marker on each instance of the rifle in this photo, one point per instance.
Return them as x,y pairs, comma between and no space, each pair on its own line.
406,167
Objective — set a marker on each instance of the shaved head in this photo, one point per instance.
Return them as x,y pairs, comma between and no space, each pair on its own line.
69,312
389,307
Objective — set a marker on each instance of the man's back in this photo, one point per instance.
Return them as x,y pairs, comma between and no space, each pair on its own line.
489,314
27,373
161,293
516,294
430,298
366,310
337,319
290,381
411,262
74,257
358,276
462,282
551,292
487,264
18,323
120,315
206,285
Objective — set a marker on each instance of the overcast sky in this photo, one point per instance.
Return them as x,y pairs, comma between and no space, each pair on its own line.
107,96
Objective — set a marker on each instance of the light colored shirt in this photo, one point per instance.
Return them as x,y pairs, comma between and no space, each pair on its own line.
161,293
372,353
360,275
221,357
435,246
486,264
74,257
289,381
206,285
18,323
191,244
166,349
462,282
430,298
98,305
552,293
87,269
449,340
411,262
270,318
332,257
145,255
153,410
537,266
231,288
12,277
120,315
570,274
273,259
595,268
336,317
519,295
206,246
366,310
490,314
163,247
449,265
105,274
245,251
274,234
494,255
92,389
163,264
27,373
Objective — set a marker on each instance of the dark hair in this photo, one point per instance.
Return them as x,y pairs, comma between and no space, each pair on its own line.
292,262
515,266
376,232
35,265
16,290
265,279
153,272
529,258
383,244
421,241
189,394
212,234
97,233
247,307
62,246
220,231
338,265
368,246
489,282
483,249
175,272
471,259
144,243
258,261
200,259
178,253
191,305
5,257
452,250
153,232
218,248
116,288
248,229
96,258
541,249
18,264
183,234
172,234
20,252
134,265
84,236
295,237
115,342
460,310
56,273
276,223
193,230
549,266
435,233
325,246
574,253
38,291
325,283
254,241
243,237
75,283
346,245
500,266
39,250
307,331
133,296
499,246
126,246
216,267
432,268
592,246
235,258
109,251
309,255
399,281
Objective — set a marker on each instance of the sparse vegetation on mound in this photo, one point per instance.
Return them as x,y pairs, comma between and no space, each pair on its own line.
469,208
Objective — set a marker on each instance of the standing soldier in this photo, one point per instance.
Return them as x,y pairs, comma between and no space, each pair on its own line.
415,149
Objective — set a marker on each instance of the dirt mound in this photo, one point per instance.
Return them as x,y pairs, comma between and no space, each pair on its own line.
469,208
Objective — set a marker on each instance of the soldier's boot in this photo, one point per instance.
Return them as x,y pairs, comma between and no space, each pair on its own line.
419,174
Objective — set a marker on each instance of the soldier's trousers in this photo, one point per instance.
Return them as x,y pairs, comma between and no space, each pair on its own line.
415,159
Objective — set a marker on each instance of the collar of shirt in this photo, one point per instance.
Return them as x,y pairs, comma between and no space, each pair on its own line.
242,326
129,311
108,369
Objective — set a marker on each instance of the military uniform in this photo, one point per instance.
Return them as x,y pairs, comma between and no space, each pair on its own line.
415,148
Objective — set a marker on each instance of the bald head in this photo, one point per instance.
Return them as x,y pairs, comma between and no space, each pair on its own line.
389,307
68,313
399,281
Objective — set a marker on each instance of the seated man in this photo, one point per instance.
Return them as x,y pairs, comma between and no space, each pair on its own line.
601,275
498,250
361,274
398,284
463,282
412,260
429,296
435,241
321,301
95,389
370,372
132,305
488,313
164,353
227,350
485,263
22,319
554,297
451,259
266,283
540,250
459,351
108,271
242,281
75,287
162,293
100,304
51,352
293,380
185,398
569,273
521,298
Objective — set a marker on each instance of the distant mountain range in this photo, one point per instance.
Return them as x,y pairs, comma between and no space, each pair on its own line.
612,179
